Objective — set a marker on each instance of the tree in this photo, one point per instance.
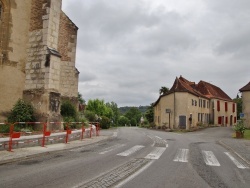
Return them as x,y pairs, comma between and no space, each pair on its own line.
80,99
163,90
97,106
238,101
90,115
115,110
122,121
134,113
150,113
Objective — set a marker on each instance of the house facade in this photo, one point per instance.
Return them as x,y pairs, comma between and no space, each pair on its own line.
37,56
188,105
245,95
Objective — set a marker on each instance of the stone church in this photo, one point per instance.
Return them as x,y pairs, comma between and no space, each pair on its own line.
37,56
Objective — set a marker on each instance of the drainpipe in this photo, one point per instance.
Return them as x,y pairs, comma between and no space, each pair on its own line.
174,111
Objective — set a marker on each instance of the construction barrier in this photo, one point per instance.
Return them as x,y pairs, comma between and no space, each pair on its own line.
17,134
45,135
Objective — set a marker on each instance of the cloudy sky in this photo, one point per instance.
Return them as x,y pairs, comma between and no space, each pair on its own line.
128,49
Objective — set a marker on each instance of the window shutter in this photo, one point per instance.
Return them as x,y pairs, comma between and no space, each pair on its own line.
219,120
226,106
233,107
218,105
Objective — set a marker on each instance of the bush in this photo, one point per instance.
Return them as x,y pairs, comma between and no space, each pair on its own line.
133,122
21,112
90,115
240,127
4,128
68,110
105,122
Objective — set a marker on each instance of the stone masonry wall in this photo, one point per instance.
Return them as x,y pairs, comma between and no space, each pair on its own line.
14,25
67,48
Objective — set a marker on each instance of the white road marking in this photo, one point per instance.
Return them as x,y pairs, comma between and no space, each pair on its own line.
210,158
158,137
237,163
156,153
106,150
131,150
182,156
114,134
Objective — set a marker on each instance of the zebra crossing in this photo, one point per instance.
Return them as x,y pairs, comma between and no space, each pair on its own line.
182,155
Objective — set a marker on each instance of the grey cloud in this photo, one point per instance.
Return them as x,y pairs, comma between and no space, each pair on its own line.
128,49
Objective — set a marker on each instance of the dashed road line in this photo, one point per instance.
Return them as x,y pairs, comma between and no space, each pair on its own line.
237,163
131,150
181,156
210,158
109,149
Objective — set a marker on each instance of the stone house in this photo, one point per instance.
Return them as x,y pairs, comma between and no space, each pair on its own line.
188,105
245,94
37,56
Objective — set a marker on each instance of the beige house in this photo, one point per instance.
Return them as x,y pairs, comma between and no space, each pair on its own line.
188,105
245,94
37,56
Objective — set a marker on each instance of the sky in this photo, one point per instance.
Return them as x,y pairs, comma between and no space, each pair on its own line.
128,49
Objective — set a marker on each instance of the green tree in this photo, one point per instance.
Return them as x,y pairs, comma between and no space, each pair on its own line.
150,113
122,121
97,106
90,115
21,112
80,99
134,113
133,122
163,90
115,110
238,101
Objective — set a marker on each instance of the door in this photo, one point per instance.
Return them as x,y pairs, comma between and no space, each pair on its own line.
182,122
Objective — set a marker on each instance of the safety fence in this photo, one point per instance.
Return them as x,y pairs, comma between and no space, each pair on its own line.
44,136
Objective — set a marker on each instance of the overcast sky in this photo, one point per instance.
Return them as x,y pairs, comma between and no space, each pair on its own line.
128,49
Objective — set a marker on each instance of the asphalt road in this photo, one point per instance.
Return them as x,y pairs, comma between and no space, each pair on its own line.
135,157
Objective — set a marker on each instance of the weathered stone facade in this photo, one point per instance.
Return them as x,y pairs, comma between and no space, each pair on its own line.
245,91
37,56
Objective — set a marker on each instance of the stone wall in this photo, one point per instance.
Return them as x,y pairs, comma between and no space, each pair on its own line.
246,107
67,48
13,44
37,56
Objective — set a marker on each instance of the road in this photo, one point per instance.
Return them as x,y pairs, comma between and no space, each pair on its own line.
135,157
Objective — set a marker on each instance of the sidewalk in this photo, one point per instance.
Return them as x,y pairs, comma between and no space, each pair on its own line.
240,147
30,152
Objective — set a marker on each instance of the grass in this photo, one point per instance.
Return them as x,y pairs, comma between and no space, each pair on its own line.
247,134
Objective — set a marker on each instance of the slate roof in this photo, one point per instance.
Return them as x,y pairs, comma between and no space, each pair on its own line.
245,88
202,89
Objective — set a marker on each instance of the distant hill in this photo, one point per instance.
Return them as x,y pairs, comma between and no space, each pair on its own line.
124,109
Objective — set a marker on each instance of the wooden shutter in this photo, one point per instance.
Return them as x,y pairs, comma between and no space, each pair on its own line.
233,107
218,105
219,120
